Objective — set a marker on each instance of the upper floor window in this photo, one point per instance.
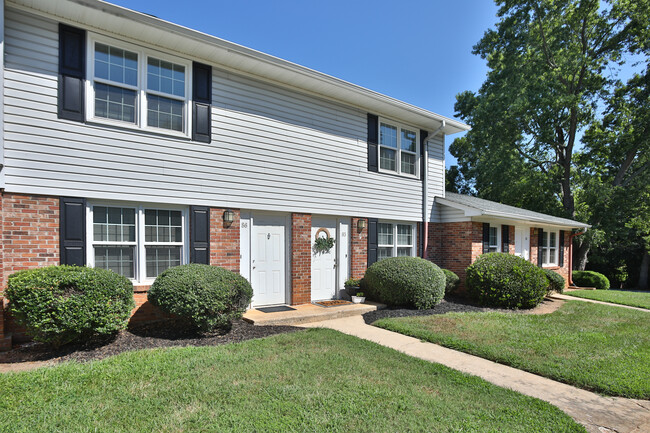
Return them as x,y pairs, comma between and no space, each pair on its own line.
549,248
394,240
138,242
398,149
132,86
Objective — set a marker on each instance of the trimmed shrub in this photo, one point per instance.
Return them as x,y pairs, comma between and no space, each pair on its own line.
207,297
505,280
590,279
407,281
555,281
452,281
62,304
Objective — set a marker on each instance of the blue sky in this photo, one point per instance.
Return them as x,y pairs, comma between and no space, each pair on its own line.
415,51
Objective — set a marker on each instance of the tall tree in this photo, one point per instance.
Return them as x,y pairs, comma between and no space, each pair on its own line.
550,64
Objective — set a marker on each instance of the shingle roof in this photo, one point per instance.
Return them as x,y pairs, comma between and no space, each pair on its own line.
492,208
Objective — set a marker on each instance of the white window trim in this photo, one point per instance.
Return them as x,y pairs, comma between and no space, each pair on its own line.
546,249
398,151
140,271
395,246
141,89
498,244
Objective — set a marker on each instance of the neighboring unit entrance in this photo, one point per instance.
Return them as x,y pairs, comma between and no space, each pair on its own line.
323,264
268,259
522,242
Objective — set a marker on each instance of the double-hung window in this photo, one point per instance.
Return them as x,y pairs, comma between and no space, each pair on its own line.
549,248
138,88
138,242
394,240
398,149
493,244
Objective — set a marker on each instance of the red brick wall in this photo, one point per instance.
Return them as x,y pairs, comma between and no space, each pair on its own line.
30,233
224,240
455,246
533,245
300,258
359,249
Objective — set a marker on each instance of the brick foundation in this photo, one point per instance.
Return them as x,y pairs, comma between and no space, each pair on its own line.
358,249
300,258
224,240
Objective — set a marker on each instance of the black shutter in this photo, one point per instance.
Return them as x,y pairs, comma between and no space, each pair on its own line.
505,239
373,139
540,248
486,238
372,240
561,249
423,139
202,100
72,227
72,72
200,234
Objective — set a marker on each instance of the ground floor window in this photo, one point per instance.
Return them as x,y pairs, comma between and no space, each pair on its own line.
549,248
395,240
493,243
138,242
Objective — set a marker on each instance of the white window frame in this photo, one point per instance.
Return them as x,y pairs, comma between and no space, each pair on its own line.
398,151
546,248
141,88
395,245
497,246
140,259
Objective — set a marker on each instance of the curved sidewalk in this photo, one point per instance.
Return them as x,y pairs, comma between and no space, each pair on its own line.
598,414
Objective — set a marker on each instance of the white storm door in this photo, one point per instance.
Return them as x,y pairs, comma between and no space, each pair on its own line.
323,264
521,242
268,260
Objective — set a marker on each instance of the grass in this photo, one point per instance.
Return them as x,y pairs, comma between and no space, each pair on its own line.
596,347
316,380
623,297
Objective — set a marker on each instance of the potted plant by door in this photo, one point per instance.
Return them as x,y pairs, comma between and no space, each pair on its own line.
359,298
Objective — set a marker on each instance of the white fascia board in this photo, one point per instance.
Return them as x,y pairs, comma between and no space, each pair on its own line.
469,211
120,21
532,220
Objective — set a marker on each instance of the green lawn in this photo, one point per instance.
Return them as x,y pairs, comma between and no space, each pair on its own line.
623,297
596,347
311,381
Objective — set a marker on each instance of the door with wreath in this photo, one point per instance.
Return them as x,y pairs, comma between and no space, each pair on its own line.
323,258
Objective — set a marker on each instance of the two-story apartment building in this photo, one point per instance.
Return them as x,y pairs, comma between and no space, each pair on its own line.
134,144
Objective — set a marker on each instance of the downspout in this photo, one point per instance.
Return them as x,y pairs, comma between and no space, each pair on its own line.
425,189
571,256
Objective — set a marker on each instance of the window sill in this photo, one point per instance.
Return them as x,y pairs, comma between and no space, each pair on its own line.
551,267
401,176
128,128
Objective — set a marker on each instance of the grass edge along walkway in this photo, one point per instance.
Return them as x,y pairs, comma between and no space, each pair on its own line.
619,297
317,380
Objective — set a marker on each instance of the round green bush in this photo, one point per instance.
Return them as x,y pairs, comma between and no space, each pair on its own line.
505,280
208,297
452,281
590,279
62,304
407,281
555,281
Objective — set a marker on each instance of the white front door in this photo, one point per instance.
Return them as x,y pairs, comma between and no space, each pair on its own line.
323,264
268,259
522,242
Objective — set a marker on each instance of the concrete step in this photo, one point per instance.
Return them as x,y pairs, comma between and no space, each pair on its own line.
308,313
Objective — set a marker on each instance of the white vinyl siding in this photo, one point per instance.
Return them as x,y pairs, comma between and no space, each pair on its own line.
272,148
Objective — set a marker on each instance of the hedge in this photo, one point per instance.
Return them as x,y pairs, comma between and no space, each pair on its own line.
452,281
555,281
590,279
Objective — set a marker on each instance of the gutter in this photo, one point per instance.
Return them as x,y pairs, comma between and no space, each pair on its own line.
425,188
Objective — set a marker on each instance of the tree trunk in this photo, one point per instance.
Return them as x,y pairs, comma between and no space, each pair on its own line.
643,272
580,251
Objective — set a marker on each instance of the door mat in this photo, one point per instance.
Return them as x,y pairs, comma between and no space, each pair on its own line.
275,309
334,303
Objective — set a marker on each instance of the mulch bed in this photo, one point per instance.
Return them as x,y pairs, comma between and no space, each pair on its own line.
170,333
449,305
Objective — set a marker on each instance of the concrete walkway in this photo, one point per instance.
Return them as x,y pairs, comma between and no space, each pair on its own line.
575,298
598,414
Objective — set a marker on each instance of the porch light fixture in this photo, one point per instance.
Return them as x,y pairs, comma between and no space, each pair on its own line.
361,224
228,217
